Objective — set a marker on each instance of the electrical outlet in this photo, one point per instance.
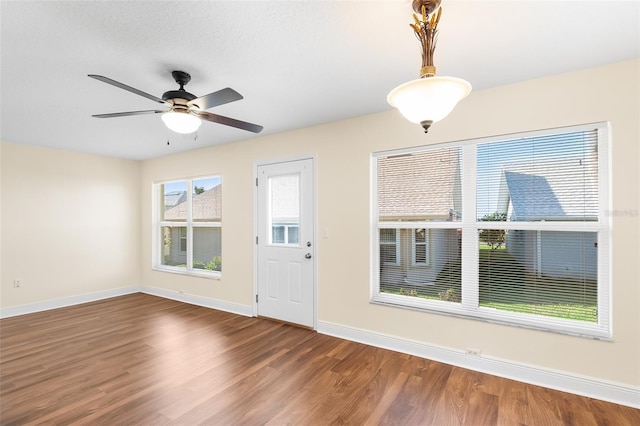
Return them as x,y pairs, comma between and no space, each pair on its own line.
472,351
17,283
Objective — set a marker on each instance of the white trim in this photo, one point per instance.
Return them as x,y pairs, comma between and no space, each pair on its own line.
65,301
221,305
590,387
192,299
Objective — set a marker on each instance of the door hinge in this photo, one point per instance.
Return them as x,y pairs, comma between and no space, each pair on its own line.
256,240
256,298
256,181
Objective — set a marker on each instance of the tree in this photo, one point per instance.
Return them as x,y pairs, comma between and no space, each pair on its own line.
494,238
198,189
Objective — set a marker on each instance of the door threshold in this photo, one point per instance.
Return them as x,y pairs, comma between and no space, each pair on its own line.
293,324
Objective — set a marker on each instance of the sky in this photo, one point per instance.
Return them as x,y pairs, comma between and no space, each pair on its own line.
207,183
493,157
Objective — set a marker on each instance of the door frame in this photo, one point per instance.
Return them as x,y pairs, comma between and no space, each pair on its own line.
314,199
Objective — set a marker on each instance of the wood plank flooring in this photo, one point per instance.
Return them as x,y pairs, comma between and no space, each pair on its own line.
144,360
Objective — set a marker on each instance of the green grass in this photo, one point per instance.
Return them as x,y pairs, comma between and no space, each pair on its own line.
505,285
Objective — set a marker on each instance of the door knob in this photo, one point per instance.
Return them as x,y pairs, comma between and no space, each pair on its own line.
307,256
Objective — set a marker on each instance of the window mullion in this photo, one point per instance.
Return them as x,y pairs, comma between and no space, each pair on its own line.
190,225
470,276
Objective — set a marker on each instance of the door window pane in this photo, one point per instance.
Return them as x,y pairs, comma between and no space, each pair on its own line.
277,234
292,235
284,209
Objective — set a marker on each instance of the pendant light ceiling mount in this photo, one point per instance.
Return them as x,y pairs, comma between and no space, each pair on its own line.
429,5
429,98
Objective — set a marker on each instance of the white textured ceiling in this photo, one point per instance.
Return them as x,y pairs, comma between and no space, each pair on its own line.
296,63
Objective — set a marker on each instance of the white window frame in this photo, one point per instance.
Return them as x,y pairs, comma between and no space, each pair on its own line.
469,306
414,244
189,223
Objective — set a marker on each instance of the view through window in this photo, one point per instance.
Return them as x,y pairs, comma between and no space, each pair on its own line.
507,229
189,225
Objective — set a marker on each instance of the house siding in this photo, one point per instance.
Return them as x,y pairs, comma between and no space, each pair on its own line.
556,254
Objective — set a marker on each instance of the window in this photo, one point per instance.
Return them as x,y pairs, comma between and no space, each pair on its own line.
507,229
188,226
284,209
420,247
389,247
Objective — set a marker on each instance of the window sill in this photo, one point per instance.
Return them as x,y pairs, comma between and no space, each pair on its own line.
535,322
193,273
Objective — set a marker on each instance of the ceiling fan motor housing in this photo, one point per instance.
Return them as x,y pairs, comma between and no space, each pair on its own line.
178,94
182,78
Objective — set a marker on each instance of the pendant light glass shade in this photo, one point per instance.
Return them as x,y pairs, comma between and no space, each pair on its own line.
427,100
181,122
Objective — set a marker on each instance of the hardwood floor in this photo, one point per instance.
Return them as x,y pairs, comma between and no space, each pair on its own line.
140,359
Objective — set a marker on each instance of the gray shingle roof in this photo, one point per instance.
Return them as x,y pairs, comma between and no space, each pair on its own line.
553,190
206,206
420,186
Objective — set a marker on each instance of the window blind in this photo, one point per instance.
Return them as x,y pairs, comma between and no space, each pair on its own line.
532,247
551,179
419,202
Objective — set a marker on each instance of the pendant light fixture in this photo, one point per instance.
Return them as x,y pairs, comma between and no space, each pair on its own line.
429,98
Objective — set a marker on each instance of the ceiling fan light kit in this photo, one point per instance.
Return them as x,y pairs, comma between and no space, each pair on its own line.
186,109
428,99
181,121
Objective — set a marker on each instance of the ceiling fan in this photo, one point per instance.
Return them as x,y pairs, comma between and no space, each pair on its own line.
186,110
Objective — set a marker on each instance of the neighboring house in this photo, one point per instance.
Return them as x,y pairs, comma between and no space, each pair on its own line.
552,190
173,198
206,206
421,187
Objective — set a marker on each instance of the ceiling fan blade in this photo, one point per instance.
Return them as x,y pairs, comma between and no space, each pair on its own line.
220,97
215,118
124,114
127,88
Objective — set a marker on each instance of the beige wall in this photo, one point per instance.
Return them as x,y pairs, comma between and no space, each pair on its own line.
70,224
74,224
343,151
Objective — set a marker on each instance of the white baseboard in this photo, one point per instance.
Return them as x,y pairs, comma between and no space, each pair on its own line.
65,301
586,386
206,302
92,297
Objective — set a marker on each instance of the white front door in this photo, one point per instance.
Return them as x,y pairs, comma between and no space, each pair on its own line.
286,243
